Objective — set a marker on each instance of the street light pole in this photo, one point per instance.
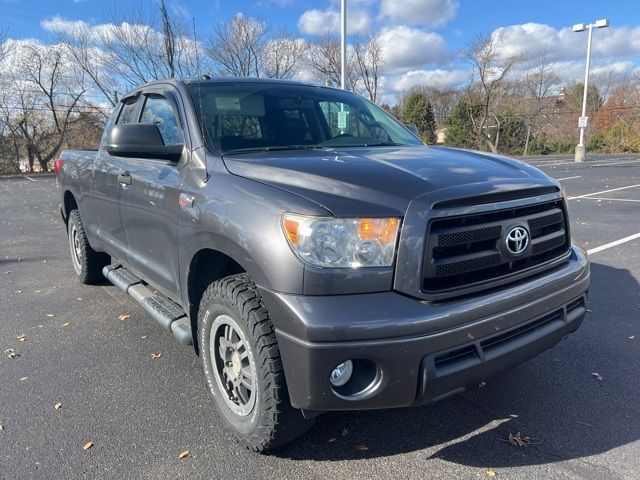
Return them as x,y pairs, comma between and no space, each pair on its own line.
343,44
581,148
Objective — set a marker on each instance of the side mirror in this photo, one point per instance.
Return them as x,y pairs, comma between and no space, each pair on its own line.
140,140
413,129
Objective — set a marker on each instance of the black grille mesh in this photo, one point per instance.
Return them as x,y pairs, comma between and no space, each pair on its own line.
459,238
476,263
466,250
545,221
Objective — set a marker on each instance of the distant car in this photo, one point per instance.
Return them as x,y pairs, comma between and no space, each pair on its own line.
317,254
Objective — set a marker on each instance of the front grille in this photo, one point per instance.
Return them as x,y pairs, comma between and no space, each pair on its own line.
467,250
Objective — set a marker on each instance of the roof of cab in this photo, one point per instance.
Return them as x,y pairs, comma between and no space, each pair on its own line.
211,79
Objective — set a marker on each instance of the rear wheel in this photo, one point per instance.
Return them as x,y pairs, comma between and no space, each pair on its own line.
243,368
87,263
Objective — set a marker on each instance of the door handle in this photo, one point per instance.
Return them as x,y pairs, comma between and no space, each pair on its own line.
124,178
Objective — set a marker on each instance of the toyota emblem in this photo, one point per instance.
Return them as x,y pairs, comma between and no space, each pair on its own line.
517,240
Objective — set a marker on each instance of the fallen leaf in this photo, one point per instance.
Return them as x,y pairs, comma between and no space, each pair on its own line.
23,379
22,337
87,446
331,440
517,440
184,454
344,432
362,448
57,406
66,324
598,376
11,353
155,355
491,473
125,316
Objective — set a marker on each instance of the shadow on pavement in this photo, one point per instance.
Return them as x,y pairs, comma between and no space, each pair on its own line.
555,399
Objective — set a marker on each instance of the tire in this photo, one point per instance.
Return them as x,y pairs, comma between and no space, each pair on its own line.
86,262
238,348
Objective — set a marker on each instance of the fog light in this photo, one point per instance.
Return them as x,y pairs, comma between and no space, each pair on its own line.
341,374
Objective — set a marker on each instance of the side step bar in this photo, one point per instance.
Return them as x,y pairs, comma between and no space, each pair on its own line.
166,312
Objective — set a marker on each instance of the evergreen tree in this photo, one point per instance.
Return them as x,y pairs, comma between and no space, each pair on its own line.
417,111
460,129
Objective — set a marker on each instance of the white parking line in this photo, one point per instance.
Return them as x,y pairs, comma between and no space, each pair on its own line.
614,163
553,163
613,244
603,191
28,178
613,199
569,178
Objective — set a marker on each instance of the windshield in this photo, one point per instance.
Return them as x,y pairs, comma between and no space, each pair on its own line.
242,117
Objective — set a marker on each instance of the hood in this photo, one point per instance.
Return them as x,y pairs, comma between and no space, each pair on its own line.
379,181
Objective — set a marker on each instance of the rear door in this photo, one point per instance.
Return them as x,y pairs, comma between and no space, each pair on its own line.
149,204
105,189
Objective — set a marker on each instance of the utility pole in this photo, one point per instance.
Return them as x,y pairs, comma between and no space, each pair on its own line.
343,44
581,148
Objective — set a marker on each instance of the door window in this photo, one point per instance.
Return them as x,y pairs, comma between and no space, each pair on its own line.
159,111
127,114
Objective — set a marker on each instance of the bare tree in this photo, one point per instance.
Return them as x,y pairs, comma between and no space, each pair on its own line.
369,62
237,47
168,39
323,60
137,47
540,83
81,46
283,55
44,96
490,71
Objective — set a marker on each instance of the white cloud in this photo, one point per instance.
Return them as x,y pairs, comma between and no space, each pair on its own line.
180,10
425,12
406,48
572,71
60,24
533,39
434,78
319,22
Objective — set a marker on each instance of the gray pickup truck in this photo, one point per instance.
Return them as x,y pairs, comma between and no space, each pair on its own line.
315,252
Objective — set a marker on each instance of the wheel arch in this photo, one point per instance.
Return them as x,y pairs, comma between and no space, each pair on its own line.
207,265
69,203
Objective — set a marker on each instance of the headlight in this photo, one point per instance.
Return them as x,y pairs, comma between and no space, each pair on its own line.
342,242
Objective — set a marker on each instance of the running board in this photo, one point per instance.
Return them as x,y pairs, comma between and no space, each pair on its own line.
168,314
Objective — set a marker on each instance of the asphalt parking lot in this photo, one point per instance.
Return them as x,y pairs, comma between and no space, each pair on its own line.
578,403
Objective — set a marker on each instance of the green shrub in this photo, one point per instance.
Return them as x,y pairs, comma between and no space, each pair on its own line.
597,143
622,137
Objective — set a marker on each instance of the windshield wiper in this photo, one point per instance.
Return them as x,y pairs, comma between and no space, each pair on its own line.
274,149
381,144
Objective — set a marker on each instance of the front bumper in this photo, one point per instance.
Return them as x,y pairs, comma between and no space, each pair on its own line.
424,351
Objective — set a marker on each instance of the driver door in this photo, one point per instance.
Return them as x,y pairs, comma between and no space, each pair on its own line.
150,193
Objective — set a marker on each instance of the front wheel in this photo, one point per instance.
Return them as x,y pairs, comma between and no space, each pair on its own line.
243,368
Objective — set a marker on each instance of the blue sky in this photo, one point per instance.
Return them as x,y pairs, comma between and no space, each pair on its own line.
24,17
421,36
